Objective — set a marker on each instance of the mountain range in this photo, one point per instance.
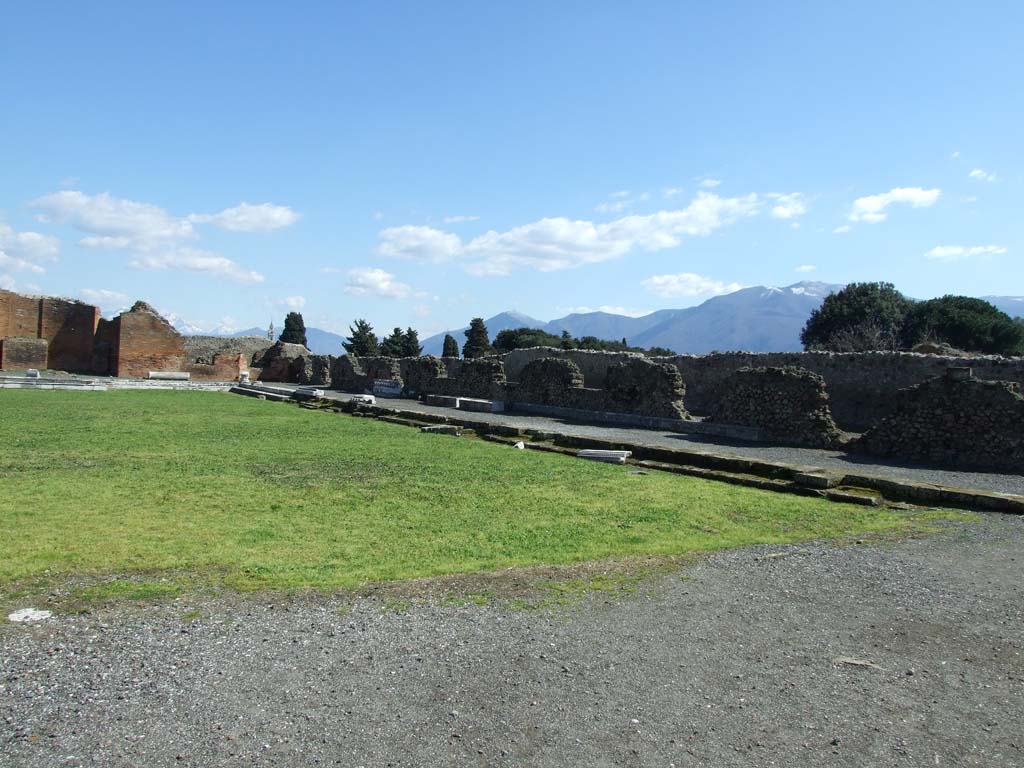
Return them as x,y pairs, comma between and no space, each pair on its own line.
758,319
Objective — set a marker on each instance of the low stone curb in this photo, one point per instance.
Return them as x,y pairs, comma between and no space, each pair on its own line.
771,476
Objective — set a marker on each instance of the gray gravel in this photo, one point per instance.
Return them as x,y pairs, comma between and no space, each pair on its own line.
853,464
728,662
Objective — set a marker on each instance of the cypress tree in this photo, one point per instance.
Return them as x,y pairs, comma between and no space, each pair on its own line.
294,331
451,346
478,343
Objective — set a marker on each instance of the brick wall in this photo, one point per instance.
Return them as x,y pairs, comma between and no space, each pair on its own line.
70,327
19,315
146,342
18,353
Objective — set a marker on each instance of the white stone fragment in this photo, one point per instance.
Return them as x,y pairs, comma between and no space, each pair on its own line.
609,457
29,614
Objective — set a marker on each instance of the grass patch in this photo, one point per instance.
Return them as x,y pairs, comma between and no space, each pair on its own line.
255,495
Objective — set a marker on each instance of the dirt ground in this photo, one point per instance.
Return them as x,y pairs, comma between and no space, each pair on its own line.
870,653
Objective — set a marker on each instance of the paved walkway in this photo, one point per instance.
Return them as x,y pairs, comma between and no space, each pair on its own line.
837,460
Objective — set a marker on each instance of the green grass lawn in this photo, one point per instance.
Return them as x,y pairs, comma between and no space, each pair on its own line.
256,495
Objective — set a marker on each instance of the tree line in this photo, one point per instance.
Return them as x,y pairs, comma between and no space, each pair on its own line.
363,341
865,317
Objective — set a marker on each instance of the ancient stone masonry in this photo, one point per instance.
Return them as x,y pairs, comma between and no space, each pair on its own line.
482,377
145,342
787,405
315,370
283,362
20,353
953,420
67,327
594,365
418,373
634,386
202,349
349,373
862,386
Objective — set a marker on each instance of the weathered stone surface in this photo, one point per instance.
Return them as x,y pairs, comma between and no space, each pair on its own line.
862,386
419,372
633,386
68,326
200,350
546,381
650,388
146,342
788,405
962,423
18,353
282,362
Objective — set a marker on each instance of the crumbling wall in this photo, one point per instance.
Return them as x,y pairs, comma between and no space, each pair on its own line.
592,364
787,405
350,373
547,381
147,342
202,349
18,353
634,386
68,326
953,421
418,373
19,315
313,370
282,362
225,367
862,385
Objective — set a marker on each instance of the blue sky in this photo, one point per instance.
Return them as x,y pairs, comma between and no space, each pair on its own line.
422,163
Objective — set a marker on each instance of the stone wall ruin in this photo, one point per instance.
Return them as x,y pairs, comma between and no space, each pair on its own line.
953,420
786,405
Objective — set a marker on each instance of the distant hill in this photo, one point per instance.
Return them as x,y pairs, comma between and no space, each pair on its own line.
501,322
1011,305
759,319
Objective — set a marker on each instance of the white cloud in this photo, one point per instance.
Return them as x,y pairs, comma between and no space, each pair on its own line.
194,260
872,207
294,303
249,217
787,206
418,242
459,219
960,252
371,281
610,309
806,268
107,300
842,230
622,194
154,235
112,222
687,285
559,243
955,155
670,191
981,175
23,251
710,183
7,283
613,207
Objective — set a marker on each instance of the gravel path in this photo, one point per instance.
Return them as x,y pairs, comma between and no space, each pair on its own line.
853,464
729,662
